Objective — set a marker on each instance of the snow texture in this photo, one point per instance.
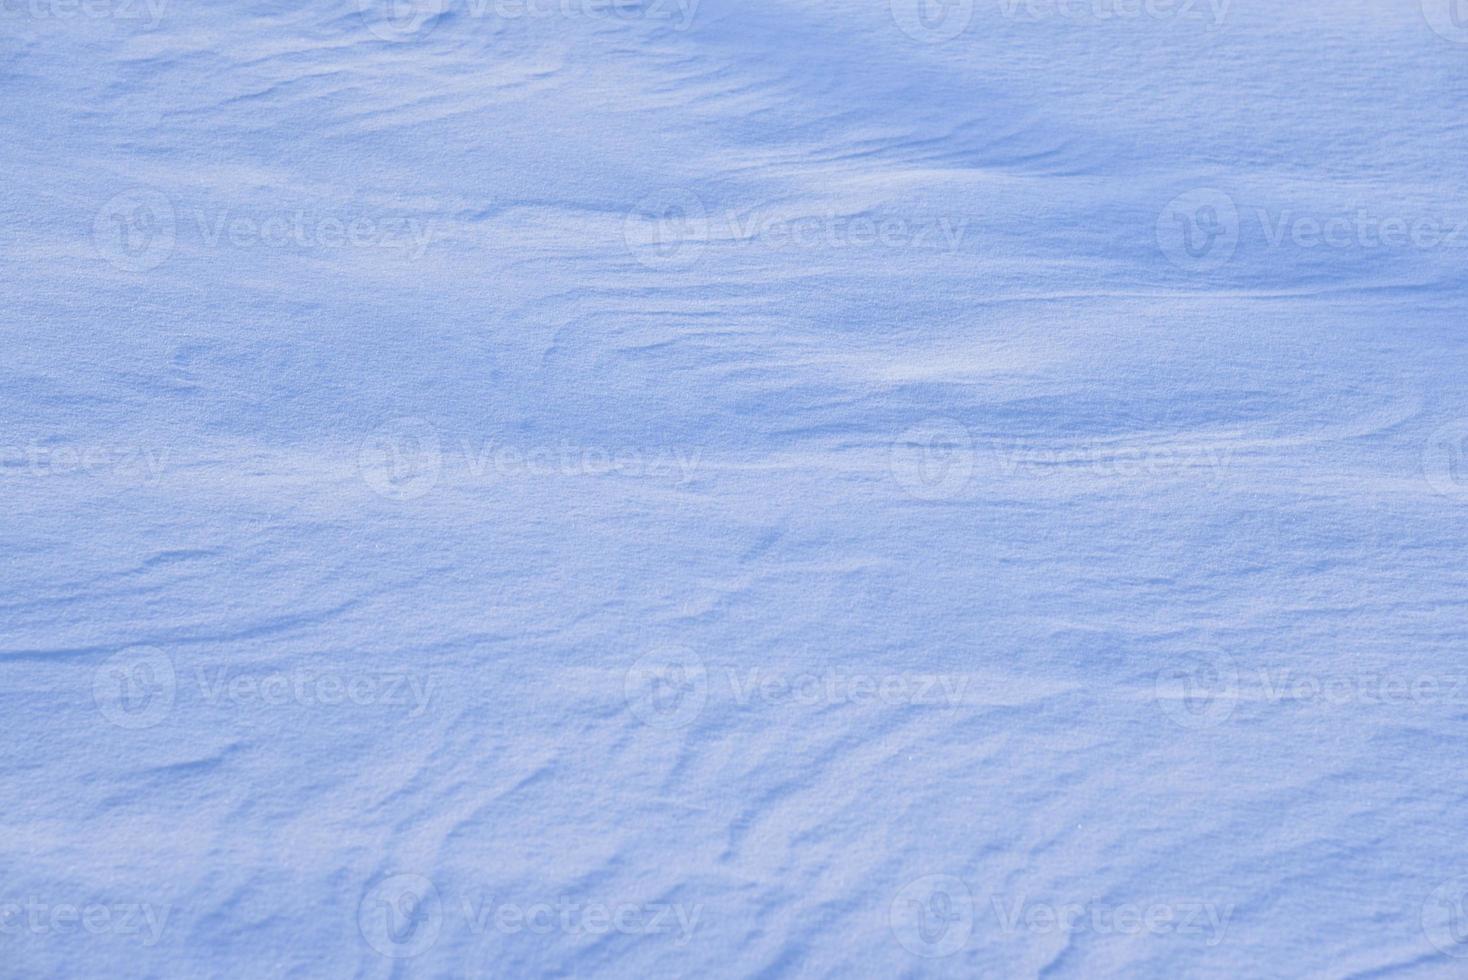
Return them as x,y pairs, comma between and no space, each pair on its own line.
751,488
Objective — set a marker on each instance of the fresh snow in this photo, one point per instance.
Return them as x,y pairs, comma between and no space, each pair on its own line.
750,488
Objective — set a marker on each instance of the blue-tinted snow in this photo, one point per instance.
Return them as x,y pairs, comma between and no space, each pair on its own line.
734,488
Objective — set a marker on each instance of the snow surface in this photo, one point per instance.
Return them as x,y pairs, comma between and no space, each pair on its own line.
734,488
